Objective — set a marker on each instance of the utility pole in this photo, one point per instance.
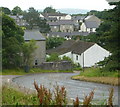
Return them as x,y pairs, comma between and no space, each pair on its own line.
83,54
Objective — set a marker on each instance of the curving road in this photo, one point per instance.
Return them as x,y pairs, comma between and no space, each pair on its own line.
74,88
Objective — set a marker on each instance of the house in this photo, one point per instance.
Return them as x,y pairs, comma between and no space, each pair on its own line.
39,54
62,26
19,20
86,54
59,16
90,24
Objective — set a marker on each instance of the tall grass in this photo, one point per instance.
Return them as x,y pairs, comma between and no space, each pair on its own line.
96,72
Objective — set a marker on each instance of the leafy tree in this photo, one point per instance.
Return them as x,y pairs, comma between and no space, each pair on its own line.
49,10
53,57
27,50
53,42
6,10
17,10
111,39
33,20
12,39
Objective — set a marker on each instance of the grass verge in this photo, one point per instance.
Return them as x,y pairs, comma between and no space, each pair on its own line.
11,96
95,75
33,70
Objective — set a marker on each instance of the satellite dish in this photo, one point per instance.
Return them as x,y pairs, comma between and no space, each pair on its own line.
112,1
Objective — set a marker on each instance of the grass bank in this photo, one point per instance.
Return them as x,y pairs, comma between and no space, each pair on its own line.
95,75
32,70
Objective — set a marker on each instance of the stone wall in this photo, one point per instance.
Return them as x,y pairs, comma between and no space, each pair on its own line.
63,65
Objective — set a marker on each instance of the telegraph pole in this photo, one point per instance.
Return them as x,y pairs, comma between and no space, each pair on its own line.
83,54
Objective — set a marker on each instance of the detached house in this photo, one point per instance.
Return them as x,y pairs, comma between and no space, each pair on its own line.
86,54
39,54
90,24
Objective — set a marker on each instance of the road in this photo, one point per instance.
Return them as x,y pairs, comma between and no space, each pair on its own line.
74,88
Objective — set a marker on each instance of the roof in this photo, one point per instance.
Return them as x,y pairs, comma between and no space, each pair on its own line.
33,34
16,16
78,17
77,47
91,24
61,22
53,14
63,34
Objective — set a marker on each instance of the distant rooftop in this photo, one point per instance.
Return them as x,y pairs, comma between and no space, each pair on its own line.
91,24
61,22
33,34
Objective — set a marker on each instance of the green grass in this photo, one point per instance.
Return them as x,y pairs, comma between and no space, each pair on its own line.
11,96
96,72
21,71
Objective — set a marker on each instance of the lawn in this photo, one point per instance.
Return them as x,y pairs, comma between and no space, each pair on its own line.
22,72
95,75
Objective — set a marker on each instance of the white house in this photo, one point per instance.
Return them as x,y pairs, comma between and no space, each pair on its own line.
90,24
86,54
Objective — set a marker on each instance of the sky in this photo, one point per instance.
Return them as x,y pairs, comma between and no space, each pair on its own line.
57,4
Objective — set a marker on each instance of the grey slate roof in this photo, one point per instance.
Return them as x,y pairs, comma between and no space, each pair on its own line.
33,34
61,22
91,24
78,17
63,34
53,14
77,47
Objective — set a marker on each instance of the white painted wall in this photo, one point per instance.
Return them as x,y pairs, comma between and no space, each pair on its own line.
93,55
68,54
83,27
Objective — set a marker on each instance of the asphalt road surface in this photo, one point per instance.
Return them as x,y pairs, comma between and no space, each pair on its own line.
74,88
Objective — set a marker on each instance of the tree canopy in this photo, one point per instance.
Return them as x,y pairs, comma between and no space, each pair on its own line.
17,11
49,10
6,10
12,39
33,20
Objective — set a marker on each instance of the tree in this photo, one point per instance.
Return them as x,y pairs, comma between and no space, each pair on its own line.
6,10
53,42
53,57
49,10
17,11
12,39
27,50
33,20
111,39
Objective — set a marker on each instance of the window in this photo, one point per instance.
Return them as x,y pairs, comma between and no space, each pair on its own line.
76,57
36,62
91,29
55,27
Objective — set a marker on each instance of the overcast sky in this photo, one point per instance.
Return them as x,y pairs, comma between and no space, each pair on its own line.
57,4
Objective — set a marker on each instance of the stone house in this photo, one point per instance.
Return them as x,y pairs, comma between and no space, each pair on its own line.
86,54
62,26
40,52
